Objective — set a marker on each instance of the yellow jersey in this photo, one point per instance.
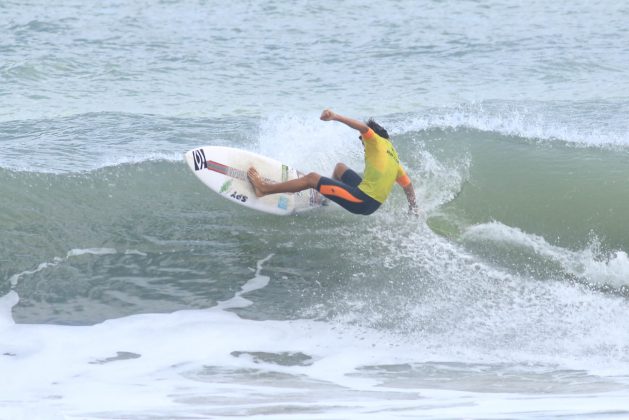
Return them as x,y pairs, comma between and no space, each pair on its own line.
382,167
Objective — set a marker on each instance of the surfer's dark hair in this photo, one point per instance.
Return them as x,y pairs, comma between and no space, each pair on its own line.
377,128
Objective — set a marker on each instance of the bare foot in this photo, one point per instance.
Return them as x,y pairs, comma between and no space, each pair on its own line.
256,182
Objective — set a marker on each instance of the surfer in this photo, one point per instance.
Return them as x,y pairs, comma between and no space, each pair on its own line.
348,189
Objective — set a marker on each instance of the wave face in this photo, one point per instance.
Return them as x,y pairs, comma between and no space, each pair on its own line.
544,207
553,189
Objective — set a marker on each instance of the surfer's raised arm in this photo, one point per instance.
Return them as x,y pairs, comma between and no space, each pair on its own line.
328,115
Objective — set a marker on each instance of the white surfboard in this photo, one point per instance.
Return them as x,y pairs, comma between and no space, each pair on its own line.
224,170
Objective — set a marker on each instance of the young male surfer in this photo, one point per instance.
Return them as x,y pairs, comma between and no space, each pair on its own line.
359,195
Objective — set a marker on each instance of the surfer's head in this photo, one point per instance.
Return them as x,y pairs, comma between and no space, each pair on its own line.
377,128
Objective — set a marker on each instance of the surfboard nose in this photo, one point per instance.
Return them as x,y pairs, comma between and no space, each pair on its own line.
189,159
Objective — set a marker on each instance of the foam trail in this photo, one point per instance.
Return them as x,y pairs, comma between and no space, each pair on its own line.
14,279
7,302
257,282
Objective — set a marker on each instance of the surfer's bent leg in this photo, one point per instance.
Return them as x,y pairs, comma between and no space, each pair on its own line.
263,188
345,174
351,178
339,170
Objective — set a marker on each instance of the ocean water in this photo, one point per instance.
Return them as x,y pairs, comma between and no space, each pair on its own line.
128,290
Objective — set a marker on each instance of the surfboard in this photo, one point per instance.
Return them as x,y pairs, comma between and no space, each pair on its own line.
224,171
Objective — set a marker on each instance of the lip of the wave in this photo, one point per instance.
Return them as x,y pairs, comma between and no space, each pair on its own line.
92,167
512,119
587,265
514,122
